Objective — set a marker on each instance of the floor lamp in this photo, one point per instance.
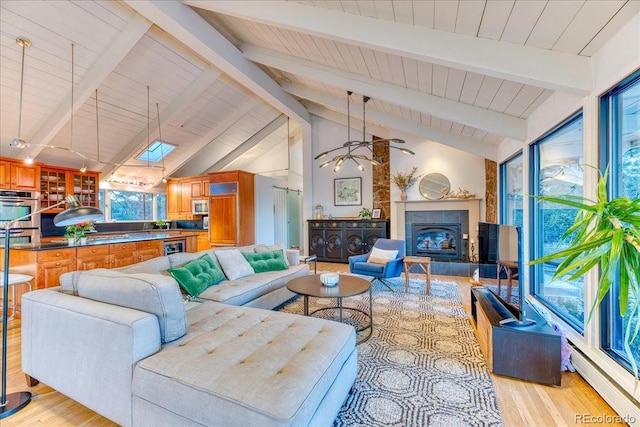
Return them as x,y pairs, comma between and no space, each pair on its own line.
14,402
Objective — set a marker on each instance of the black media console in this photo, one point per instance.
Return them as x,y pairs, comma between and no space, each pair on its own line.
530,353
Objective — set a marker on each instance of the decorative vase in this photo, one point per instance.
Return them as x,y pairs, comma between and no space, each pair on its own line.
71,240
83,240
403,195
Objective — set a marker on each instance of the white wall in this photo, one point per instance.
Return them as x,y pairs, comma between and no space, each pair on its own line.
327,135
464,170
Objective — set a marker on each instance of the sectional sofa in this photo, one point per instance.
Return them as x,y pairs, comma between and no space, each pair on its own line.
128,345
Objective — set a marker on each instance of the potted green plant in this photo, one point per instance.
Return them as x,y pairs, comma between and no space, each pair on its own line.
605,232
76,233
404,180
161,223
365,213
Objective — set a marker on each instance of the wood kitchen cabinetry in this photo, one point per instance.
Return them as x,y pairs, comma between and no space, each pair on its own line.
15,175
123,254
52,264
117,254
337,240
92,257
149,249
231,208
57,183
202,240
180,193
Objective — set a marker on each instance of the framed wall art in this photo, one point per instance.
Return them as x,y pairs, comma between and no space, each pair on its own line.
347,191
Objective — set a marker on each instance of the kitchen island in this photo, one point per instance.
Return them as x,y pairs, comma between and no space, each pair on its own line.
46,261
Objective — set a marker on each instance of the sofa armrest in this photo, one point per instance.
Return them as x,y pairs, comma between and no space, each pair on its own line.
293,256
86,349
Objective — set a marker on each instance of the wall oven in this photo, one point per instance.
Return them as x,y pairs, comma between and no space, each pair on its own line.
17,204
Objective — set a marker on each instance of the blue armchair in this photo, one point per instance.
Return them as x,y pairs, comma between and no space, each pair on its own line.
358,264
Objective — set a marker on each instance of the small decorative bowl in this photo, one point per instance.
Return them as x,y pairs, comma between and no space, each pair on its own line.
329,279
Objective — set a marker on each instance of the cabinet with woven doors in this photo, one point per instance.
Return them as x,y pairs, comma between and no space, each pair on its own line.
337,240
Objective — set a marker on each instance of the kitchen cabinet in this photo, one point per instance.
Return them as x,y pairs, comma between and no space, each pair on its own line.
92,257
118,254
202,240
231,208
149,249
337,240
122,254
57,183
180,193
15,175
52,264
85,187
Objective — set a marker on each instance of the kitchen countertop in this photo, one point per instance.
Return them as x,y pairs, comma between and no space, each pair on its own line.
103,239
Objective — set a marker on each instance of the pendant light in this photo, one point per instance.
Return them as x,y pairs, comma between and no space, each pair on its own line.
19,142
352,146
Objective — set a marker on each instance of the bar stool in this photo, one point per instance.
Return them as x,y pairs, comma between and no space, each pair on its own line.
14,280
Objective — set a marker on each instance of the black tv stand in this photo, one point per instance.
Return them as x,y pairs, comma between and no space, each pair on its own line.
530,352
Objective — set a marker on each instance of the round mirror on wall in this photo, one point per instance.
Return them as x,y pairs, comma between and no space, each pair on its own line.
434,186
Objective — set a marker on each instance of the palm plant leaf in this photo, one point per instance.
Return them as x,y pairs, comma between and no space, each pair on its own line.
605,233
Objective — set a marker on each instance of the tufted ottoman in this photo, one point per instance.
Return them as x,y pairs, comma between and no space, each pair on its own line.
249,367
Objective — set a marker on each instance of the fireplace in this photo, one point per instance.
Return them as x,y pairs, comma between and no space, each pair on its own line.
441,241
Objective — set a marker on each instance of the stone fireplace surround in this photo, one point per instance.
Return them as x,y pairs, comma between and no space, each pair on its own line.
466,212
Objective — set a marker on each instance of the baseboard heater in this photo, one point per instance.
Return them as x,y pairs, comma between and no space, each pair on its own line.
619,399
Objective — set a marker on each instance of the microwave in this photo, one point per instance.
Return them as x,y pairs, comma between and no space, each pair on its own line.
200,207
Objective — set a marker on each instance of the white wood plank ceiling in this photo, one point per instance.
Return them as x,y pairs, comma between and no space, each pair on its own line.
225,75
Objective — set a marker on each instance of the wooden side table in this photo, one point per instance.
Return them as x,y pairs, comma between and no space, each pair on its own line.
424,263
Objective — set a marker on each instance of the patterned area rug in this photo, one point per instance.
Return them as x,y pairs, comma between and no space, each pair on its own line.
422,365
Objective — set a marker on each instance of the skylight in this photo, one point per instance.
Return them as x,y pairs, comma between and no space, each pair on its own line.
156,152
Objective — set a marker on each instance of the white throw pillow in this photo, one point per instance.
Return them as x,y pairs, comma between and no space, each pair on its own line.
233,264
382,256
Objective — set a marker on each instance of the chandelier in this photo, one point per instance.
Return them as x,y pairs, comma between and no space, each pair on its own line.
352,145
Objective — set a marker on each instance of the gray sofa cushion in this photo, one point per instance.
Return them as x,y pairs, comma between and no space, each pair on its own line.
242,291
151,293
252,367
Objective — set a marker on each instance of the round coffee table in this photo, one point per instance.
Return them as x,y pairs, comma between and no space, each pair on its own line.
348,286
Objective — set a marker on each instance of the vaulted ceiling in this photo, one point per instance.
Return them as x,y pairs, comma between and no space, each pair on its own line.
225,75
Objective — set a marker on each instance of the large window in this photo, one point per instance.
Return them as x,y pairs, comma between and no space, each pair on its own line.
511,180
621,133
127,205
132,206
556,163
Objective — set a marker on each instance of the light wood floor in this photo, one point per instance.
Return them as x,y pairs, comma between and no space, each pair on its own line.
521,403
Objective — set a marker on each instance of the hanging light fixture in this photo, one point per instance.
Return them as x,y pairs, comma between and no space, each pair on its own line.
19,142
352,146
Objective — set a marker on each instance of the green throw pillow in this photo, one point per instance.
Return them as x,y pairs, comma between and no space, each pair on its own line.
197,275
266,261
